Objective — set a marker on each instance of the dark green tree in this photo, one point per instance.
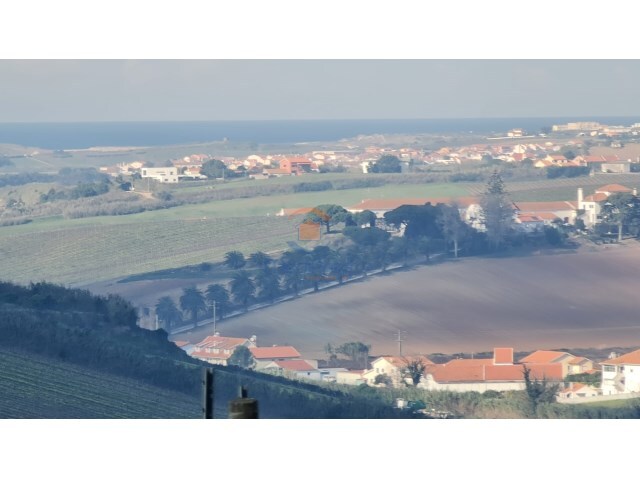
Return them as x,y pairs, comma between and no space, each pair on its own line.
383,379
399,250
218,293
267,282
241,357
366,217
497,212
234,260
192,301
317,265
417,220
537,392
358,352
386,164
214,169
327,215
242,288
168,313
292,267
621,209
260,260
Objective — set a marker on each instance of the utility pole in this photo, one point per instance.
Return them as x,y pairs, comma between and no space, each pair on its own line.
207,392
214,317
400,339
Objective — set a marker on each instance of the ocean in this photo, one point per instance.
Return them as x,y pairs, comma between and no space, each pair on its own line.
60,136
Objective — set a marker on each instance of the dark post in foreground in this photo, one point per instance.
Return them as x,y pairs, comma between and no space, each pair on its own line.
207,392
243,407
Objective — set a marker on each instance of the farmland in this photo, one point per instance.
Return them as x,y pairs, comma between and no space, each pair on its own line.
583,299
39,387
87,250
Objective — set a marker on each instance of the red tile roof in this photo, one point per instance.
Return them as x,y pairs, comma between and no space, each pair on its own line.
578,360
210,356
493,373
265,353
295,211
596,197
529,219
294,365
470,362
549,216
530,207
181,343
632,358
613,188
573,388
223,343
544,356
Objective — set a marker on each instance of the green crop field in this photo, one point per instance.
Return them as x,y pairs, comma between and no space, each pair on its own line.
90,250
38,387
83,251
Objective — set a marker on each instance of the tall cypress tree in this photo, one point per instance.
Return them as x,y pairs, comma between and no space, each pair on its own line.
497,211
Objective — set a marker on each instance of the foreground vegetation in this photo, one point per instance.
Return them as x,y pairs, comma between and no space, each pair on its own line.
76,339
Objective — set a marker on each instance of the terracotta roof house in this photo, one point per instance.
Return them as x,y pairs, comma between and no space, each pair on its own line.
621,374
290,368
551,357
265,355
393,367
498,373
577,390
380,206
217,350
614,188
581,365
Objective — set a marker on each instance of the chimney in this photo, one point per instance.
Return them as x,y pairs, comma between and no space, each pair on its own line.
580,198
503,356
635,192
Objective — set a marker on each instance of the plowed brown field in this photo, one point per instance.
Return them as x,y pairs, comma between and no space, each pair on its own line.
589,298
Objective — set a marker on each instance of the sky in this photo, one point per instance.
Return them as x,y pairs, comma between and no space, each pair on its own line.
183,90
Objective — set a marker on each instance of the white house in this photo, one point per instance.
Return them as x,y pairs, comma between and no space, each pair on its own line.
577,390
164,174
591,203
393,367
621,374
217,350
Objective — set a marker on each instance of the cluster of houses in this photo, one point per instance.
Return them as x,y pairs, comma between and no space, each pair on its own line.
501,372
539,153
529,217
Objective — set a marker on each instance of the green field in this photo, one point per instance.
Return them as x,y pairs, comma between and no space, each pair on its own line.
86,250
39,387
90,250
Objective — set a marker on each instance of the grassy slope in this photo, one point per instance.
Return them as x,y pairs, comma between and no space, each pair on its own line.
42,387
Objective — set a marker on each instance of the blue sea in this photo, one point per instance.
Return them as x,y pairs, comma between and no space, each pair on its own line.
60,136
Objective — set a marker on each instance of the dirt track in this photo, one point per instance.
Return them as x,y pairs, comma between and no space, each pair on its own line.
584,299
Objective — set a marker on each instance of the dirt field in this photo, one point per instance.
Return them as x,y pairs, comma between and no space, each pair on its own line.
584,299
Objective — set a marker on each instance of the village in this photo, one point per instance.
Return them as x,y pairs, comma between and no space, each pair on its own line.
566,150
616,377
613,377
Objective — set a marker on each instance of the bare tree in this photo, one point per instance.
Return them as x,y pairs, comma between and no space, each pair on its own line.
414,368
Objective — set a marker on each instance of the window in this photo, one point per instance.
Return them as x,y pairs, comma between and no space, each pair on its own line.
609,368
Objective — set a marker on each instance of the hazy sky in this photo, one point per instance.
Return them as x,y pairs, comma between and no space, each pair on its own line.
128,90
